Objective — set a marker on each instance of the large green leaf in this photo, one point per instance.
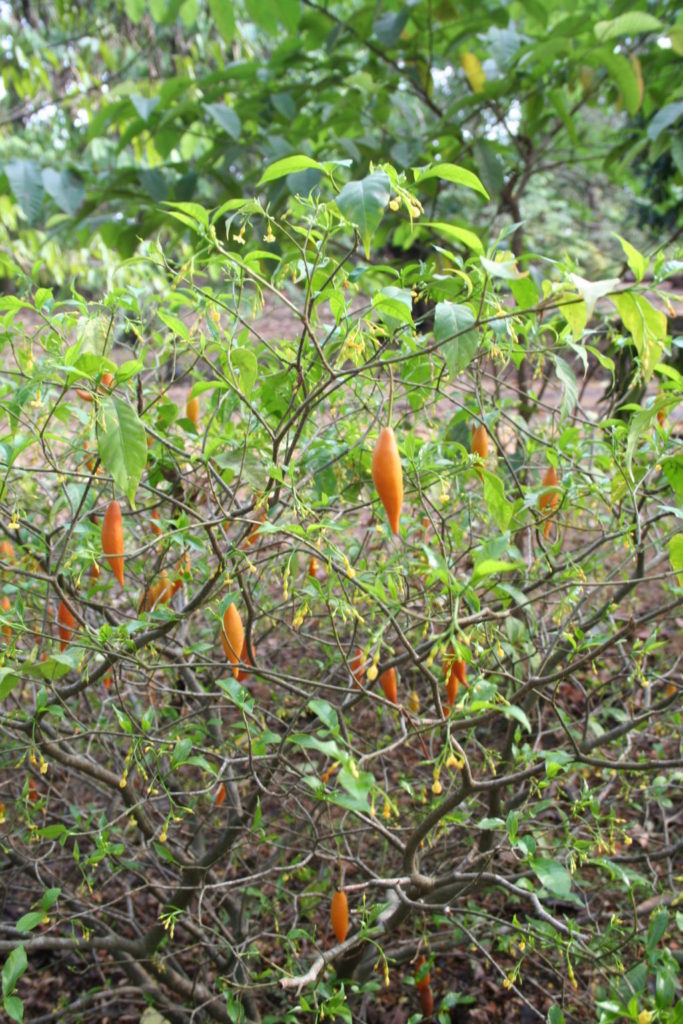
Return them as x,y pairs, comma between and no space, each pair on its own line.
676,556
363,203
631,23
122,445
13,968
289,165
26,181
552,876
500,510
226,117
65,187
451,323
646,325
223,18
455,174
457,234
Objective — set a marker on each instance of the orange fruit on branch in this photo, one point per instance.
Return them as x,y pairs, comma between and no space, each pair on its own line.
6,606
339,915
112,539
388,683
232,636
65,625
7,551
549,499
480,443
388,476
192,409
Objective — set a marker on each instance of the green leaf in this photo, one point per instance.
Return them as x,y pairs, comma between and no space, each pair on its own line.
395,306
506,269
189,213
455,174
226,118
122,445
517,713
457,235
663,118
451,323
570,392
676,556
14,966
552,876
631,23
673,471
646,325
325,712
388,26
492,566
30,921
246,364
14,1008
26,182
624,75
636,261
576,315
499,509
363,204
50,897
555,1015
8,680
65,187
181,752
658,924
145,105
223,18
134,10
288,165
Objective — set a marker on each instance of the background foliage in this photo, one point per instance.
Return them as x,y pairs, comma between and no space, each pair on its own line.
319,221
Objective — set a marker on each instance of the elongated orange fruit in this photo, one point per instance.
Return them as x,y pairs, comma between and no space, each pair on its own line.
232,636
192,409
7,551
65,625
455,671
112,539
480,442
339,914
551,499
6,606
388,476
388,683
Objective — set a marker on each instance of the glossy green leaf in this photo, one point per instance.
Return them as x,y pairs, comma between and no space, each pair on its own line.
122,445
455,174
363,204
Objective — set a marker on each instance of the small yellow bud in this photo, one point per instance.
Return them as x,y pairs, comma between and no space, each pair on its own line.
372,673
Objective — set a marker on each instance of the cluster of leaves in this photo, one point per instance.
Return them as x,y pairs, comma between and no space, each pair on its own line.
174,102
213,816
